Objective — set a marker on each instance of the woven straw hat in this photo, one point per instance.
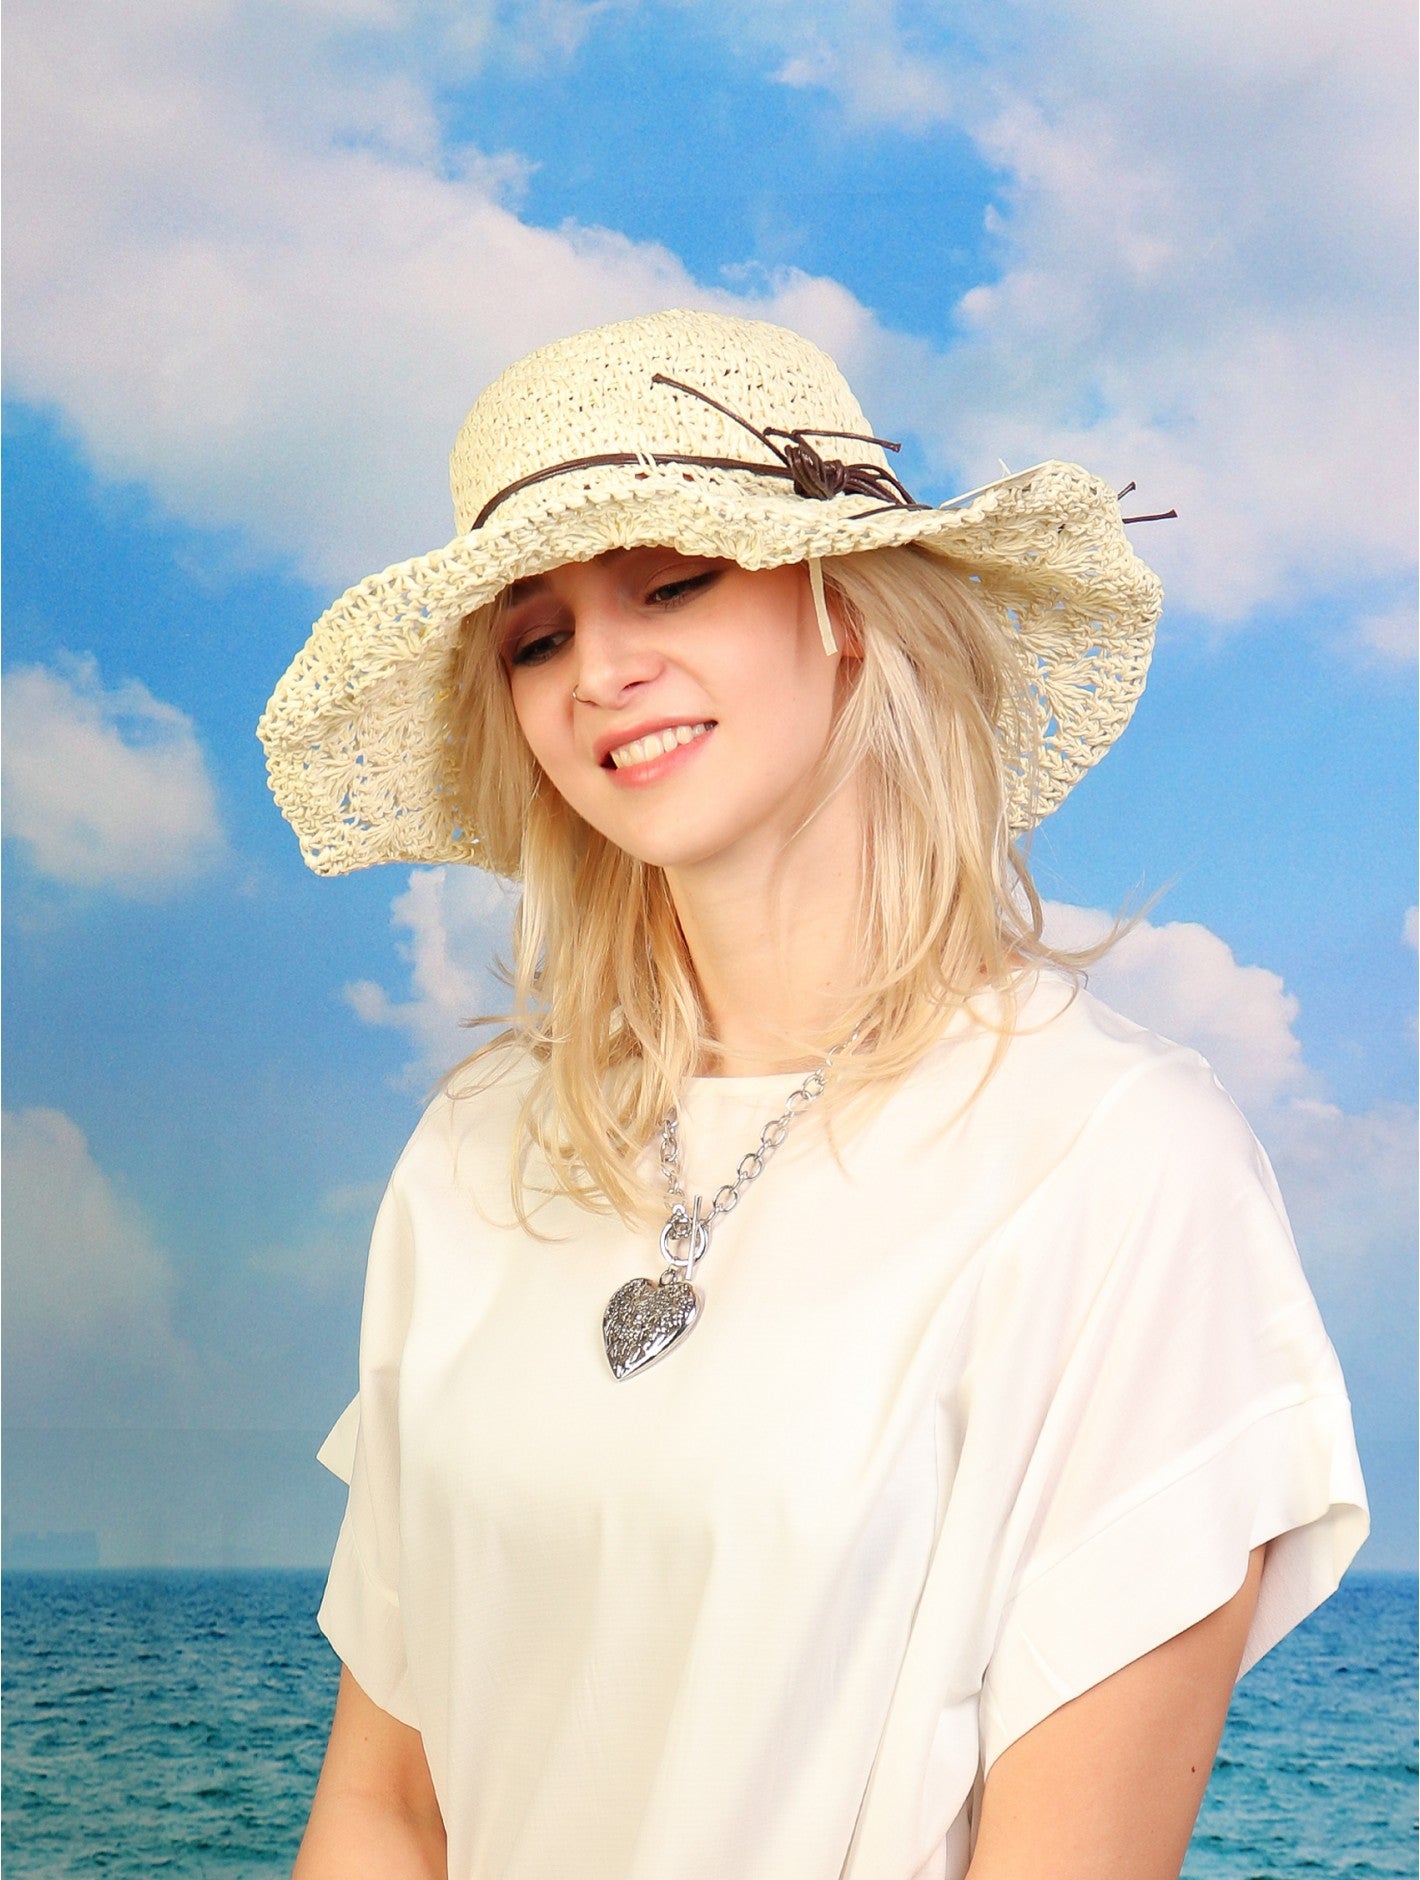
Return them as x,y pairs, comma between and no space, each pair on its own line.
716,436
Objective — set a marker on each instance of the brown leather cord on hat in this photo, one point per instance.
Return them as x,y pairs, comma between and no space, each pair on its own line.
1164,515
811,474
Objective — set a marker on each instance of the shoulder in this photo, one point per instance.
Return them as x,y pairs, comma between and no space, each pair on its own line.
1141,1174
1168,1115
1145,1252
465,1135
1051,1078
1066,1031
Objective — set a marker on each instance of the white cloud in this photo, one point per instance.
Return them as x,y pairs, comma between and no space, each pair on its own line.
862,58
457,922
244,266
322,1259
357,1199
89,1333
257,287
106,787
1205,237
1349,1180
1348,1177
1391,637
1182,980
249,277
1411,928
102,1332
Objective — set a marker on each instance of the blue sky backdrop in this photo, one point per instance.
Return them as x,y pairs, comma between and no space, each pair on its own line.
262,256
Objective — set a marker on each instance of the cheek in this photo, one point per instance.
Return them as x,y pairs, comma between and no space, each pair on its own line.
539,713
806,689
543,717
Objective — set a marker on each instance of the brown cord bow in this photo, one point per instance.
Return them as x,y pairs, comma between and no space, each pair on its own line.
799,462
812,474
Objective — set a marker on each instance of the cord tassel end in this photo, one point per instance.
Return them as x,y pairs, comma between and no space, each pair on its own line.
825,625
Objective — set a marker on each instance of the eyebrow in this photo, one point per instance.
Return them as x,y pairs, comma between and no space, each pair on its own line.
525,589
534,584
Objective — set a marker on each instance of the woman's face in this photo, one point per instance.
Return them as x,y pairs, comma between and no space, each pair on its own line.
704,698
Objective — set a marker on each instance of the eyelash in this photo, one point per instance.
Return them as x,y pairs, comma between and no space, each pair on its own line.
668,595
688,584
528,654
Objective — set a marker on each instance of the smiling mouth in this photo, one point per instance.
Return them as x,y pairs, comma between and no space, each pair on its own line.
654,744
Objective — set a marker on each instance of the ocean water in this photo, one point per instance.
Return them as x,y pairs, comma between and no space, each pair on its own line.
173,1724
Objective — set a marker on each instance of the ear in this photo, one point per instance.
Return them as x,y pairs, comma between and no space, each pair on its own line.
847,626
850,634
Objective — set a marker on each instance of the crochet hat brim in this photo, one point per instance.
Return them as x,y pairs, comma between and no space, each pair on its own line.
357,738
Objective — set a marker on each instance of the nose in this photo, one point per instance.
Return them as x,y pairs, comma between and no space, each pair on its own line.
612,652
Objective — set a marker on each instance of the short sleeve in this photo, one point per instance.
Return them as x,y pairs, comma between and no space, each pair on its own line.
337,1452
360,1612
1164,1396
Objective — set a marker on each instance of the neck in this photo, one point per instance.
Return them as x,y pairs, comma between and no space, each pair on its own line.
772,933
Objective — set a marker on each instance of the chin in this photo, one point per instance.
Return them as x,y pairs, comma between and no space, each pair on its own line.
680,841
674,845
673,853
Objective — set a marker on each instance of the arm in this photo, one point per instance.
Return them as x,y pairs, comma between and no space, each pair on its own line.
375,1815
1108,1786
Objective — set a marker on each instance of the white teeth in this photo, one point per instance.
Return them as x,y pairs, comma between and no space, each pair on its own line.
656,744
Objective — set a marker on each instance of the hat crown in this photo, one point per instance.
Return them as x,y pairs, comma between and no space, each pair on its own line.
595,394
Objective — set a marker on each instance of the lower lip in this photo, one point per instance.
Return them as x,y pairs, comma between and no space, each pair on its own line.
633,776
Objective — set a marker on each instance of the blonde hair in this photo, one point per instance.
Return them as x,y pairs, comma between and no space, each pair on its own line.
937,710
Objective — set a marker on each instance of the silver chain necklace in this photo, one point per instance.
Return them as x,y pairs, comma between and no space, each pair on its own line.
645,1317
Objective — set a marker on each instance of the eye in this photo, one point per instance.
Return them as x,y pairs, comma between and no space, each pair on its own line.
539,648
668,593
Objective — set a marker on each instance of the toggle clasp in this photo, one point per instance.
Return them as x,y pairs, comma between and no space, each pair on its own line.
685,1225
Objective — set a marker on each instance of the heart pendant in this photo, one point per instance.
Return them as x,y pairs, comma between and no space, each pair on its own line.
644,1318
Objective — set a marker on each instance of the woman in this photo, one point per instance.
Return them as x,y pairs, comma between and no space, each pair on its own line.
904,1505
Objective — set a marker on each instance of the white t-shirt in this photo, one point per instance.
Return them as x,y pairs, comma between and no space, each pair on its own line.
971,1418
